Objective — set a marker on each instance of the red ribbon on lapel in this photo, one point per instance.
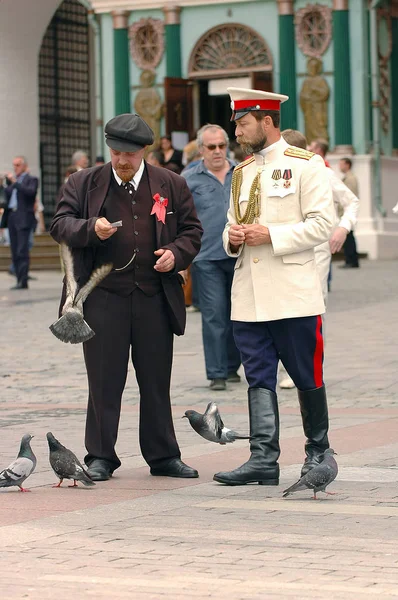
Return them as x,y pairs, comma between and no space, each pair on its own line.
159,207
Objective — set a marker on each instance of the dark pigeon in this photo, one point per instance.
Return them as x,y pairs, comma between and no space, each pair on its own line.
65,464
318,478
211,427
21,467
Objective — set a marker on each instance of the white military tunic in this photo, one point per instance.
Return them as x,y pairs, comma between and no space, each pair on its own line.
280,280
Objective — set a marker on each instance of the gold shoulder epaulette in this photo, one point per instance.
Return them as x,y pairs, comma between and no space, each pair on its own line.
244,163
299,153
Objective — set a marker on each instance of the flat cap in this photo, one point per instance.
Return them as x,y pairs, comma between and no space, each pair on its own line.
128,133
244,101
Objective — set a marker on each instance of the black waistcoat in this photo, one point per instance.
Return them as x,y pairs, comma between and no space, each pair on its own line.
137,235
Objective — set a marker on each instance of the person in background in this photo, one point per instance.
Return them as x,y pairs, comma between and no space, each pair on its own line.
345,202
80,160
210,185
346,206
191,155
172,158
19,217
350,245
190,158
155,158
99,160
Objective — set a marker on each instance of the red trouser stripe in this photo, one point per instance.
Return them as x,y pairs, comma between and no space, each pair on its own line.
318,354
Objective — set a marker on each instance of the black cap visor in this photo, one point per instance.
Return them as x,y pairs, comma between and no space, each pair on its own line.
122,145
238,114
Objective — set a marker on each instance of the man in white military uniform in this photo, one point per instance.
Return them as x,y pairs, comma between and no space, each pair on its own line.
281,208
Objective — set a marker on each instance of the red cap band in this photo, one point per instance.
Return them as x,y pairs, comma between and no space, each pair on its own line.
240,105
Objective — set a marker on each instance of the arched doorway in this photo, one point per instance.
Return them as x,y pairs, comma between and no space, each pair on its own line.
64,92
228,55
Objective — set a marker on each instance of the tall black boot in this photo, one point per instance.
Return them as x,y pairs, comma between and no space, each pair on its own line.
262,466
314,413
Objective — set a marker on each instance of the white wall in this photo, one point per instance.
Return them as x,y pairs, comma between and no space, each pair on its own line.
375,235
22,26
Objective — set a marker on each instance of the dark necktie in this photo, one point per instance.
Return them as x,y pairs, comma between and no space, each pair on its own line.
128,186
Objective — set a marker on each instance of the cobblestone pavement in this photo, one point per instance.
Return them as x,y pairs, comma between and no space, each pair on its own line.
151,538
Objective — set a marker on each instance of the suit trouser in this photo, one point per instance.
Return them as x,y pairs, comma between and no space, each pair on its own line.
214,280
297,342
141,323
19,240
350,250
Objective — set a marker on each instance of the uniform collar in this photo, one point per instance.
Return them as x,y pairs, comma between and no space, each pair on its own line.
136,179
269,153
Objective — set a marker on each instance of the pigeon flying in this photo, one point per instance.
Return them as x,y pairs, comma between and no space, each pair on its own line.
21,468
318,478
65,464
211,427
71,326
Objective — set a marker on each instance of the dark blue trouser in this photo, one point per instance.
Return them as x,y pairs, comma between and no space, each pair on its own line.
297,342
19,241
350,250
214,281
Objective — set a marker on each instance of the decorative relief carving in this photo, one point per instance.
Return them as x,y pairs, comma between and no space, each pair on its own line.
227,49
313,29
147,42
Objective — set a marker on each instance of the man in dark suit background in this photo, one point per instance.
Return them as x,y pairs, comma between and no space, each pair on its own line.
19,217
140,304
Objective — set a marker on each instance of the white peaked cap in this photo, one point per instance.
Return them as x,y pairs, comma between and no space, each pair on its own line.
244,101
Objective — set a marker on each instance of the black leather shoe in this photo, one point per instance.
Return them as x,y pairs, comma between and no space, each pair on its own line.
99,470
175,468
20,286
248,473
218,385
349,266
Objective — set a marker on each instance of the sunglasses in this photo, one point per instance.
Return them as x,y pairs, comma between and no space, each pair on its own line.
212,147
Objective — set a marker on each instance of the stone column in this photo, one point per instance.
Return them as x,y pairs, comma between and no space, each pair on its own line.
287,64
394,81
342,82
173,40
121,61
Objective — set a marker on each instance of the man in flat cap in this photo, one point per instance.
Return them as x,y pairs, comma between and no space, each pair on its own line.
281,208
141,219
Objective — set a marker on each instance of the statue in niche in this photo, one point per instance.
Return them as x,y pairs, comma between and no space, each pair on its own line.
314,101
148,103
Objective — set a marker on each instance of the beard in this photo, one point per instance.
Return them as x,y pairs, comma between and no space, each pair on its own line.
257,143
125,172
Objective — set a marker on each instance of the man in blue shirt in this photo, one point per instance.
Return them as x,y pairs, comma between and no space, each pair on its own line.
210,185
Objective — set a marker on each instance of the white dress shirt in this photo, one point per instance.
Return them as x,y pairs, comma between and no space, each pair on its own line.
135,182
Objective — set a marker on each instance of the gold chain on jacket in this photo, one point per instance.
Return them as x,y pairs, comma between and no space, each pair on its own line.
253,207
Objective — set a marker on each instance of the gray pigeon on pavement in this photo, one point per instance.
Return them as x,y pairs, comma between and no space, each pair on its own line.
71,326
21,467
65,464
318,478
211,427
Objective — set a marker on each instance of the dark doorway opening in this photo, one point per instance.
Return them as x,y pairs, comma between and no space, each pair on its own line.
64,97
217,109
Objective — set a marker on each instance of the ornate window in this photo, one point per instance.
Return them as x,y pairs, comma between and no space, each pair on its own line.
147,42
313,29
229,49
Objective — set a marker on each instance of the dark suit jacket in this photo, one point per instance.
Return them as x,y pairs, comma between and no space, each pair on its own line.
80,206
26,196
